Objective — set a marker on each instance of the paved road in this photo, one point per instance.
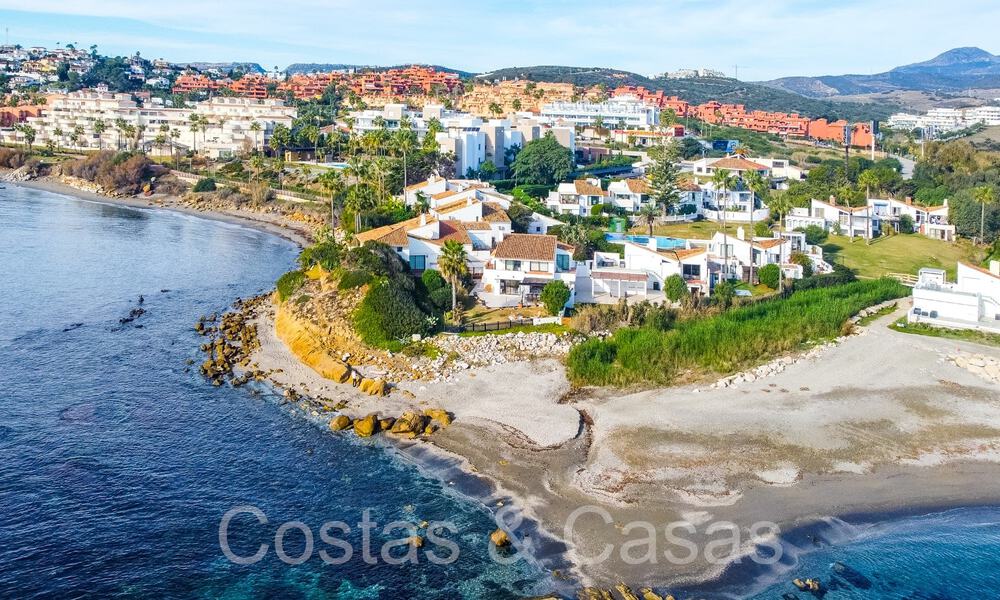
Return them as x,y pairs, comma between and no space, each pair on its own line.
908,165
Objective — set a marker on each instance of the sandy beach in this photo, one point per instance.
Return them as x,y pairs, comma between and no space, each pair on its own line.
879,422
270,223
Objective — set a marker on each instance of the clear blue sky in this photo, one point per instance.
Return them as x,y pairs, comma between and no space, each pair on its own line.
767,38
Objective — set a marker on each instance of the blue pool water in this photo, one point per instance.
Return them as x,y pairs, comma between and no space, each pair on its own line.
662,242
117,462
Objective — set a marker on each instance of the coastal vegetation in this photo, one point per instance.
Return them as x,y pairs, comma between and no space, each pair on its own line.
724,342
115,172
965,335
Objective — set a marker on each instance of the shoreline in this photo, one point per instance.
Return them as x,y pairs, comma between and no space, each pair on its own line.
910,426
249,219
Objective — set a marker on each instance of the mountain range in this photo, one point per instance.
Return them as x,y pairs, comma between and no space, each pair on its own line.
952,71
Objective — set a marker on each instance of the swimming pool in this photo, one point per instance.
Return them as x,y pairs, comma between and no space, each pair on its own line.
662,242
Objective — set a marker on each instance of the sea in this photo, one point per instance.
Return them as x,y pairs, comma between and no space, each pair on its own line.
125,474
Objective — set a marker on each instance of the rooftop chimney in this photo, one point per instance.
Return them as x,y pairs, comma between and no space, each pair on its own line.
833,200
740,234
995,267
423,219
909,200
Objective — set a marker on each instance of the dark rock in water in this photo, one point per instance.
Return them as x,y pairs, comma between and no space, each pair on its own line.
164,291
141,299
851,576
139,326
73,326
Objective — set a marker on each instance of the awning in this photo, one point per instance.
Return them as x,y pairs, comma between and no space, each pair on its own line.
534,281
618,276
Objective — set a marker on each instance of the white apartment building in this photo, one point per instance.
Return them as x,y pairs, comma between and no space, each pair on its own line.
858,221
521,266
71,121
576,198
972,301
943,120
622,112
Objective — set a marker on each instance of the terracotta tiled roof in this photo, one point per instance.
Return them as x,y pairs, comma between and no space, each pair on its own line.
494,213
446,194
476,225
735,163
585,188
451,206
417,186
771,243
524,246
394,234
686,252
448,230
638,186
566,247
686,185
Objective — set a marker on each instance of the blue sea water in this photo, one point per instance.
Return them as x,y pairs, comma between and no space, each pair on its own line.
118,461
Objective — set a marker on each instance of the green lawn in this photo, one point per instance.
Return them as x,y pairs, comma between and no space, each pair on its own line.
702,230
897,254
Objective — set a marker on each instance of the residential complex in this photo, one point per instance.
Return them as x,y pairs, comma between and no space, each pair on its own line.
872,219
943,120
91,120
471,139
621,112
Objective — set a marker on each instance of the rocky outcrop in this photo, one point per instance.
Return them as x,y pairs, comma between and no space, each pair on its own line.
305,341
231,342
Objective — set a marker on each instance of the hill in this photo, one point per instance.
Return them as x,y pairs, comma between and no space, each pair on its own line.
955,70
297,68
223,66
702,89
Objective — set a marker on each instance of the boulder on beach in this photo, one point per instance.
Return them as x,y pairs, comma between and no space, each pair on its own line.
374,387
386,423
340,423
367,426
440,415
409,423
499,538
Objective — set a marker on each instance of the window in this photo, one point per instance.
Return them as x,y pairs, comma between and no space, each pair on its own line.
693,271
418,262
538,266
512,265
562,262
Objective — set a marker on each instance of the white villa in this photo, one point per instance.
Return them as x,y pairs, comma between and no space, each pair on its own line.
778,170
850,221
522,264
576,198
71,121
644,268
971,302
931,221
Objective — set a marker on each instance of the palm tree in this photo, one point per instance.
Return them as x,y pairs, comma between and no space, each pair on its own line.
723,181
984,195
404,140
495,109
100,126
452,264
333,184
58,133
869,179
759,187
29,134
194,125
255,128
648,214
175,134
781,204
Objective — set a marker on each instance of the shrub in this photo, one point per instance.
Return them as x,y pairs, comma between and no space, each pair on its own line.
804,261
814,234
326,254
115,172
770,275
554,296
289,283
375,258
388,313
723,293
441,298
353,279
813,159
12,159
675,288
762,229
205,184
905,224
433,280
